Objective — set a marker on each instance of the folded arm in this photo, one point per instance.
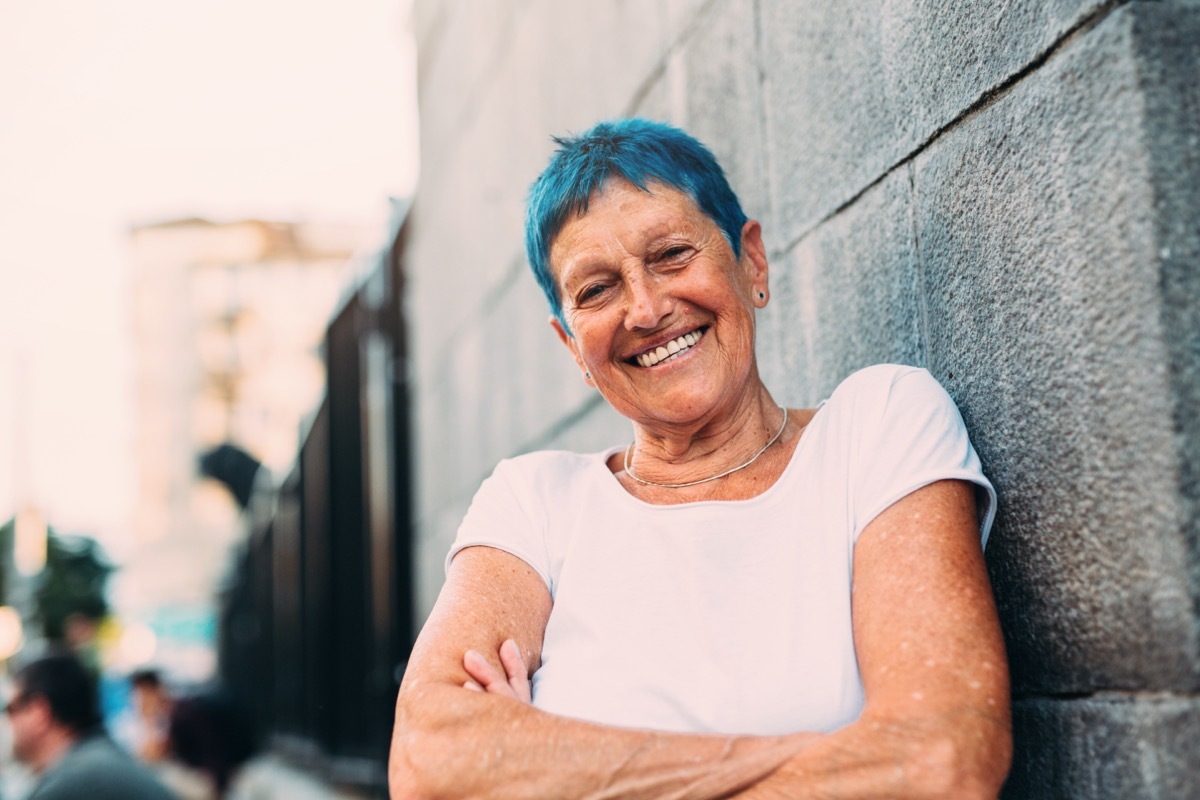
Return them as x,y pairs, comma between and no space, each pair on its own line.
454,741
935,725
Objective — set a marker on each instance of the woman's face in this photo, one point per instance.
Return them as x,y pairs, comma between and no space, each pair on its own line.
661,312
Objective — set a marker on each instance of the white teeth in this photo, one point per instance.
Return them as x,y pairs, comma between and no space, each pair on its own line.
670,349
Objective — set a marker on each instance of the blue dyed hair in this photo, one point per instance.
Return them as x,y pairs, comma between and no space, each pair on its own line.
641,152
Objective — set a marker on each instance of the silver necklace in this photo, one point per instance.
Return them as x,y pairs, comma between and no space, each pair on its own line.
753,458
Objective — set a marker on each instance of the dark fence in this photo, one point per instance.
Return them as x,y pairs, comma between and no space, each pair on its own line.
317,620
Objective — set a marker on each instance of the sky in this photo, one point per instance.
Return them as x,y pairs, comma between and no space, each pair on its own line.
122,112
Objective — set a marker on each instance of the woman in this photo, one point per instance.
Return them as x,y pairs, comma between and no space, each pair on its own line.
746,600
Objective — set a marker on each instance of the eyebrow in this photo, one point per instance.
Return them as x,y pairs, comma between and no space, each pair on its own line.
581,269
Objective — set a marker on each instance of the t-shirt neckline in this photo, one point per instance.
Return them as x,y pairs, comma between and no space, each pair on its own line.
615,486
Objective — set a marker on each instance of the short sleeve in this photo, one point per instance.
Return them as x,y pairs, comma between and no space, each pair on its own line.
503,516
916,437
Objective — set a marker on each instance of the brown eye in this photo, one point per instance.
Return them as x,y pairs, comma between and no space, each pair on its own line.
590,292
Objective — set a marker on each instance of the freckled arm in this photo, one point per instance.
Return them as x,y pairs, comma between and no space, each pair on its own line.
936,722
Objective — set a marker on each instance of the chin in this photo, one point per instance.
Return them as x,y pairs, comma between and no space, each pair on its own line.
675,410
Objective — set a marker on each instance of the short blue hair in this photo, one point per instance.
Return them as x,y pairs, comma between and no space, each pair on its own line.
640,151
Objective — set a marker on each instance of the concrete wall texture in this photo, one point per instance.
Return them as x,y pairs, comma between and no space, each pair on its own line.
1005,193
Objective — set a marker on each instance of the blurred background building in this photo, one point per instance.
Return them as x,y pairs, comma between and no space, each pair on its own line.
156,379
228,322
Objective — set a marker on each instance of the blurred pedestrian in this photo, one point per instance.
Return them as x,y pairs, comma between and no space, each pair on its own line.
210,734
58,732
152,715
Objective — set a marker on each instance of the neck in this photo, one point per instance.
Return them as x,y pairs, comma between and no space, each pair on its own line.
701,449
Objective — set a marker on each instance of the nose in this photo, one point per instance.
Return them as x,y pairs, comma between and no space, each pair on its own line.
648,303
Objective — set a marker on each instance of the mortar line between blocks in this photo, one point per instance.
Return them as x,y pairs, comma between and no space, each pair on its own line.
914,215
987,98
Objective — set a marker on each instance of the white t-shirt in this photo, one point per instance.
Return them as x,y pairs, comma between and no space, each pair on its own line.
720,616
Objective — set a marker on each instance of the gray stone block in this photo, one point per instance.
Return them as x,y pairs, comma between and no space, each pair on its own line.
679,14
438,529
724,98
1042,273
852,89
452,74
1168,58
845,297
592,427
592,59
464,425
532,377
660,99
1114,748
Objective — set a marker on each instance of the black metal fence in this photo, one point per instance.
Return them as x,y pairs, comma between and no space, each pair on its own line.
317,620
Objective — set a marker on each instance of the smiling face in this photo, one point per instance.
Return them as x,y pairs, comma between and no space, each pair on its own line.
661,312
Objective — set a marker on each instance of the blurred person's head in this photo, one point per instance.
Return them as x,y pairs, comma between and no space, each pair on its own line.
643,152
54,703
149,694
211,733
145,679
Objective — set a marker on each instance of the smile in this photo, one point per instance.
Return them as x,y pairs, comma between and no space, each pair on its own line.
670,350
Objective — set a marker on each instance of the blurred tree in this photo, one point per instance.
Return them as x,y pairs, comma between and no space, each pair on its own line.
72,585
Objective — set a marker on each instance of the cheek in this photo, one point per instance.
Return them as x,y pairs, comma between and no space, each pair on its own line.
596,354
591,346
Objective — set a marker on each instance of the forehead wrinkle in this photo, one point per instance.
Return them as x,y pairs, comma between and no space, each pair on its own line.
635,228
595,256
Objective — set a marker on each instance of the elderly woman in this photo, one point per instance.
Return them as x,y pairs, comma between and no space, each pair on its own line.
746,600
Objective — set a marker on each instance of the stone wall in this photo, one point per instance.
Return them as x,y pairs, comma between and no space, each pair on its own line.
1007,194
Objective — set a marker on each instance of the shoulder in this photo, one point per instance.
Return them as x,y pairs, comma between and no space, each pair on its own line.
525,505
548,469
97,768
883,389
882,379
902,430
540,460
894,407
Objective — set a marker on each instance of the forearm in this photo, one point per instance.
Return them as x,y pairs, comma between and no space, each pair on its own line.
963,755
452,743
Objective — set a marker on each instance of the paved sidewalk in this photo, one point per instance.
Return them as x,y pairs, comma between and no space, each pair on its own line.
270,777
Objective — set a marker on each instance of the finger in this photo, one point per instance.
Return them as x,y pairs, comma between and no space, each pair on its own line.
472,686
482,671
514,667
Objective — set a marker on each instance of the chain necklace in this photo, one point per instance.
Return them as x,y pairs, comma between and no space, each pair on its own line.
753,458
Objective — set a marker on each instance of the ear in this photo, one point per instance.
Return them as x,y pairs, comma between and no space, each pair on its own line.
754,262
569,342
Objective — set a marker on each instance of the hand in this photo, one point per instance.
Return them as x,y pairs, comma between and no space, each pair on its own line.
514,684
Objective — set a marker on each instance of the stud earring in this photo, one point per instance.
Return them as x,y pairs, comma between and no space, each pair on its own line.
587,375
762,296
